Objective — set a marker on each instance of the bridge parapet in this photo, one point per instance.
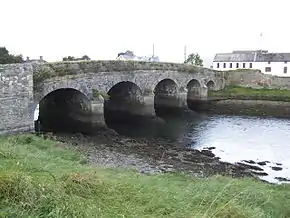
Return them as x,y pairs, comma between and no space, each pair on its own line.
38,80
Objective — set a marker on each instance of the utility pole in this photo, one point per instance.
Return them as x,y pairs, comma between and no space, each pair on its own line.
185,57
153,51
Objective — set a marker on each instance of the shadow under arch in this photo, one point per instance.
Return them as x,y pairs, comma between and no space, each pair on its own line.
124,105
64,110
210,85
193,94
166,102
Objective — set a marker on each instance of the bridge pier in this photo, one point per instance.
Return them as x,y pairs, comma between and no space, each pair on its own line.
148,109
98,118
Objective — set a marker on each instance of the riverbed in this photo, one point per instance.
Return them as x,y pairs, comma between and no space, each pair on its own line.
262,143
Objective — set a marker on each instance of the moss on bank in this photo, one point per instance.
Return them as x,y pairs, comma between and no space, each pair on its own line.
245,93
41,178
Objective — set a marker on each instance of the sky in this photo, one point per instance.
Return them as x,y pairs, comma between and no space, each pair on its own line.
103,28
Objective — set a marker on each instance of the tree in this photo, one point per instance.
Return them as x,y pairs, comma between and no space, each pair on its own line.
72,58
194,59
85,57
69,58
6,58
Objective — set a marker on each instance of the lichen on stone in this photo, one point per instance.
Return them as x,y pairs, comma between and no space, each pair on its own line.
97,94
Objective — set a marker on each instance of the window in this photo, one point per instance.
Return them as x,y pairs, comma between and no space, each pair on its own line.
267,69
269,62
285,62
231,65
251,65
225,65
218,65
285,69
237,65
244,65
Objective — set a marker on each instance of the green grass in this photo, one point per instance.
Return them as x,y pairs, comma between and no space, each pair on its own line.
238,92
40,178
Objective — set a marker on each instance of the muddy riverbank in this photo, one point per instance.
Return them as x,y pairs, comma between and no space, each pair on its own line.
249,107
109,149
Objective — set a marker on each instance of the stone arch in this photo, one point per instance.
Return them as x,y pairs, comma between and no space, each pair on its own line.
193,89
210,85
51,86
193,93
165,96
64,110
124,102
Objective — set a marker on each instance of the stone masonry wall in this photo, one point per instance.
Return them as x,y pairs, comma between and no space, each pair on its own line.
255,79
24,85
16,98
103,75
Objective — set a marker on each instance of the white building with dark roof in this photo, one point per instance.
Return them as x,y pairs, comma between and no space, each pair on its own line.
270,63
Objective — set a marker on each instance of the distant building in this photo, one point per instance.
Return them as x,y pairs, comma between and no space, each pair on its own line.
40,60
269,63
129,55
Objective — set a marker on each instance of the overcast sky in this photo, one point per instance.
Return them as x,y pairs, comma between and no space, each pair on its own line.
102,28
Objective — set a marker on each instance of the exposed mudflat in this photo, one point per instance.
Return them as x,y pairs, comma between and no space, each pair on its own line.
109,149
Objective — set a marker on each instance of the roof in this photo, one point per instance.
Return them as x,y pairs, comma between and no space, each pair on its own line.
129,55
252,56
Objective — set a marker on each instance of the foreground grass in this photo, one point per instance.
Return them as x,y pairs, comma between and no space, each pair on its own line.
239,92
41,179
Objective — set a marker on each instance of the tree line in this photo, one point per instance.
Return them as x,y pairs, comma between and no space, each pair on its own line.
7,58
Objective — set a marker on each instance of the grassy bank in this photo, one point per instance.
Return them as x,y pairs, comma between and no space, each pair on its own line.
238,92
41,178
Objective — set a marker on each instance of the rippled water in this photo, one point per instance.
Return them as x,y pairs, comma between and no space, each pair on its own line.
235,138
245,138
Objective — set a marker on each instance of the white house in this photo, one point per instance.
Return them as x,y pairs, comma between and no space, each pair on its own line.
129,55
269,63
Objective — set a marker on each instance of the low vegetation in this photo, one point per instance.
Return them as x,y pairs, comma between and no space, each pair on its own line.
42,178
238,92
51,70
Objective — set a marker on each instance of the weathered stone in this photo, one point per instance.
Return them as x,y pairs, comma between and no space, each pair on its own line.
277,168
16,98
23,86
262,163
249,161
282,179
251,167
259,173
209,148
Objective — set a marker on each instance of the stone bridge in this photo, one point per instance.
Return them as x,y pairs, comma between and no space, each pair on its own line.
71,93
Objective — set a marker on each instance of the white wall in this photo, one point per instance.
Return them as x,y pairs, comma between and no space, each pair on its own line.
277,68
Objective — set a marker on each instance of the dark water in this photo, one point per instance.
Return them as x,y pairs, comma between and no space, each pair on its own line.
235,138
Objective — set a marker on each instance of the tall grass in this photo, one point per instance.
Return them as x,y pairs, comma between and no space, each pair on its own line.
40,178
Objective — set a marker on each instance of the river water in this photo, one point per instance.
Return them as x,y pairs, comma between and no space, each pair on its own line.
237,138
234,138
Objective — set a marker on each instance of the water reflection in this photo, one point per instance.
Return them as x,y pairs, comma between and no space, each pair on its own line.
247,138
235,138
